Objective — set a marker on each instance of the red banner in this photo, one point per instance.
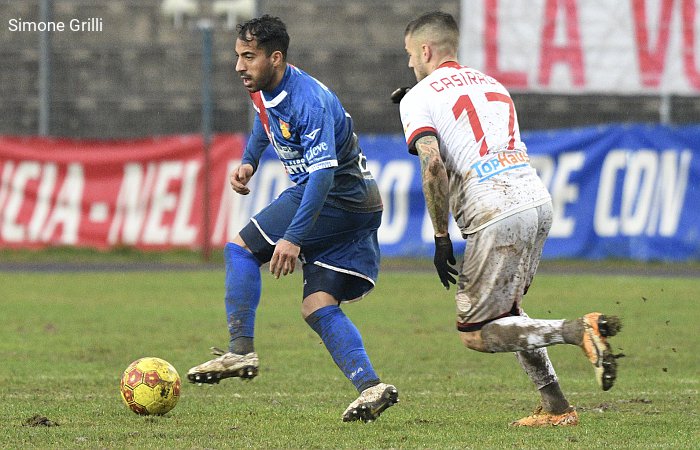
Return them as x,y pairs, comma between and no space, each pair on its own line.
578,46
145,193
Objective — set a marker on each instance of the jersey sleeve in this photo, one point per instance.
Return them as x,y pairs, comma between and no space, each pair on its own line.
415,117
257,143
318,139
312,202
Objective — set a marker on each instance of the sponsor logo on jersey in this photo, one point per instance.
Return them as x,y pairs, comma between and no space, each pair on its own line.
295,166
284,127
284,151
500,162
315,151
313,134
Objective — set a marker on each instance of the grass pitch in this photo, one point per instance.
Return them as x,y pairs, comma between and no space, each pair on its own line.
65,339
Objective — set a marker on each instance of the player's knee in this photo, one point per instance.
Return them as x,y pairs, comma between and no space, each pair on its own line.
472,340
306,310
316,301
238,240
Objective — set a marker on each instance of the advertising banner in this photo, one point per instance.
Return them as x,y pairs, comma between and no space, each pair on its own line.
145,193
619,191
580,46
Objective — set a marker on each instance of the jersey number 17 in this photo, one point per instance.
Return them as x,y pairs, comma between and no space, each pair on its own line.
464,103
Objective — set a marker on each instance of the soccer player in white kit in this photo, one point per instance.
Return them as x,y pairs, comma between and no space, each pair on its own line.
463,127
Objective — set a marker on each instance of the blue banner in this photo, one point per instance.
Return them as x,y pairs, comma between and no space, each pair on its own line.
619,191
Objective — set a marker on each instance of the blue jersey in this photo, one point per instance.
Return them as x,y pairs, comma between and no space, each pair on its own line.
311,132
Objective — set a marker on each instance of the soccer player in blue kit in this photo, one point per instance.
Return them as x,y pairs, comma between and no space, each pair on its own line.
328,219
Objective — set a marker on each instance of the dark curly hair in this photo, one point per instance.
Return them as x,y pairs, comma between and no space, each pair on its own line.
269,32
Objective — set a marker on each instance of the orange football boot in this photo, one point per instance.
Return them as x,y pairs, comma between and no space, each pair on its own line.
540,418
596,329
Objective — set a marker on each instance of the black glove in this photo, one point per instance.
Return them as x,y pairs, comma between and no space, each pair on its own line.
398,94
443,259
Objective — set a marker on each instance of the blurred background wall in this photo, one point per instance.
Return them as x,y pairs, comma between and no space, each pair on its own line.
141,76
625,186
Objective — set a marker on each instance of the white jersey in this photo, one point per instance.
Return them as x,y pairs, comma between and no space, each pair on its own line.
488,168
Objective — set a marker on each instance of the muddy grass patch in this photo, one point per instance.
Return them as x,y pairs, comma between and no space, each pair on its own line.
38,420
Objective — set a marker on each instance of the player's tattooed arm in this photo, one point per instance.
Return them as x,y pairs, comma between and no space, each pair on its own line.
434,179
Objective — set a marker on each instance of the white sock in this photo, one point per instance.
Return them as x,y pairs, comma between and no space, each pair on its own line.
537,366
521,333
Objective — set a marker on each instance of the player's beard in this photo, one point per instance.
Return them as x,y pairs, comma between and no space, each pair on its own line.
262,82
419,72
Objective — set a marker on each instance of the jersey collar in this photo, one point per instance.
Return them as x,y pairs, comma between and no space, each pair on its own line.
453,64
278,93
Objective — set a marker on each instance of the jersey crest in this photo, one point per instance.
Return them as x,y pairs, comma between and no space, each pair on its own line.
284,128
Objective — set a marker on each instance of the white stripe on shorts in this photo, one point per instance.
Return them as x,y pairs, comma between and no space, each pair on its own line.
262,232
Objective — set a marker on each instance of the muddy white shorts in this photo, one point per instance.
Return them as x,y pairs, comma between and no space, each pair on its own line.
499,264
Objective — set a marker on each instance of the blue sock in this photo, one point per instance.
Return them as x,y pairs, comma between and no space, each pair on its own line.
344,343
242,296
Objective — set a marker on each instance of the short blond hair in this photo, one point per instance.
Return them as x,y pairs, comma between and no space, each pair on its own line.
438,28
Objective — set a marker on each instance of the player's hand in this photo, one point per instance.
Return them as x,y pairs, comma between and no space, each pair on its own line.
284,258
398,94
444,259
239,178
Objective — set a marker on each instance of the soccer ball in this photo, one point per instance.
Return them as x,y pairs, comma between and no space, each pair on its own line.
150,386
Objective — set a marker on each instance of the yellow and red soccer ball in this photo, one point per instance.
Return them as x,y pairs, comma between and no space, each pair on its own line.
150,386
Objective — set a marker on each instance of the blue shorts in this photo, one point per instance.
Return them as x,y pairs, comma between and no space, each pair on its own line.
341,254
